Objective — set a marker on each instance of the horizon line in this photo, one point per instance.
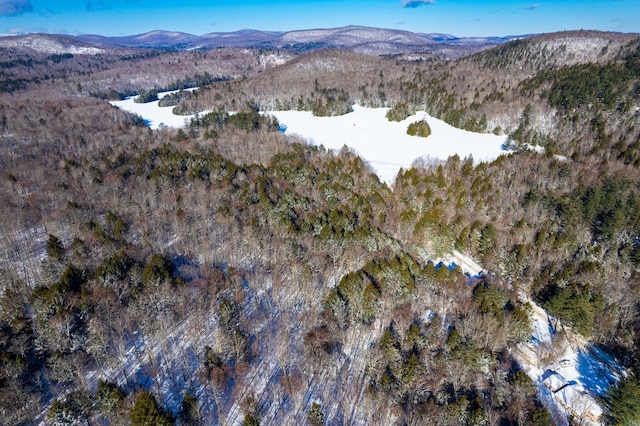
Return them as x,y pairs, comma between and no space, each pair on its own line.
311,29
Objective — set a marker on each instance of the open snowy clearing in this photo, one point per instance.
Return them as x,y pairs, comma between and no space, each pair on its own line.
385,144
153,114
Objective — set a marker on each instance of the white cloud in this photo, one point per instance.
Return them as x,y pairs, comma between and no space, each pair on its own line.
412,4
15,7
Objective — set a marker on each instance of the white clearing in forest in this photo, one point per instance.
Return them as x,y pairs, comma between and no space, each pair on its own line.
153,114
385,144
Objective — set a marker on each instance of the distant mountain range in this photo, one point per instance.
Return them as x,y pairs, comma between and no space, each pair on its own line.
372,41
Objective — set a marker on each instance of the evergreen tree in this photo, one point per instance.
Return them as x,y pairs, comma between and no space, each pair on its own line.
250,420
55,249
147,412
109,398
189,410
419,128
624,402
315,416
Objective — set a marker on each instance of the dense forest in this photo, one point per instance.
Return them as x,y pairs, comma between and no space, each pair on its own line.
225,273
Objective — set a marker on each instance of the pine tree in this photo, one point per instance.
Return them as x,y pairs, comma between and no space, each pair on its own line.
55,249
315,416
147,412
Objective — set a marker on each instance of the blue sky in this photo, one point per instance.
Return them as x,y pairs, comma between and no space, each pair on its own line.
456,17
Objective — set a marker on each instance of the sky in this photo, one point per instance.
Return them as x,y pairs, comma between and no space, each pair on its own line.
462,18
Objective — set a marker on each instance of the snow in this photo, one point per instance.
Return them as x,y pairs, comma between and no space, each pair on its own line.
569,372
25,250
48,44
467,264
385,145
553,380
167,363
153,114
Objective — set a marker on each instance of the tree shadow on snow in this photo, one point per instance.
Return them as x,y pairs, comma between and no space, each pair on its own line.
594,374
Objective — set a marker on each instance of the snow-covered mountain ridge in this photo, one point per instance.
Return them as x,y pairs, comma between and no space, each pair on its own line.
375,41
371,41
52,44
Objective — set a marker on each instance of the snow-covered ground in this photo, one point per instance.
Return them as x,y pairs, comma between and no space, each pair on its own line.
467,264
153,114
384,144
570,373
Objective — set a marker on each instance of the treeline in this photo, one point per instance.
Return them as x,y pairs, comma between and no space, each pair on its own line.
197,80
501,97
173,99
123,71
249,120
400,111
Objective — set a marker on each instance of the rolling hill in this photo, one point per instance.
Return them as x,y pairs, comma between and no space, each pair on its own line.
373,41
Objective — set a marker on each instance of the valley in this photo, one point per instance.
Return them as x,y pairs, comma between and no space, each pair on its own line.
282,251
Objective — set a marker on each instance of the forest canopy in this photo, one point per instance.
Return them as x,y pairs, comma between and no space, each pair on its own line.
228,273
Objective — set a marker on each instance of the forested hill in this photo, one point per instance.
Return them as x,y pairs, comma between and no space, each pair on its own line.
225,273
573,93
353,38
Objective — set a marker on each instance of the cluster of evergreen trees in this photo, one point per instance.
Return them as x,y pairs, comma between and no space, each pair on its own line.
419,128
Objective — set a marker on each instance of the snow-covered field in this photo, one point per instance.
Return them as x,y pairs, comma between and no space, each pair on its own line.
153,114
383,144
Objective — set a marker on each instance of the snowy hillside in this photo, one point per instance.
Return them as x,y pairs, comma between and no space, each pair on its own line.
45,43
